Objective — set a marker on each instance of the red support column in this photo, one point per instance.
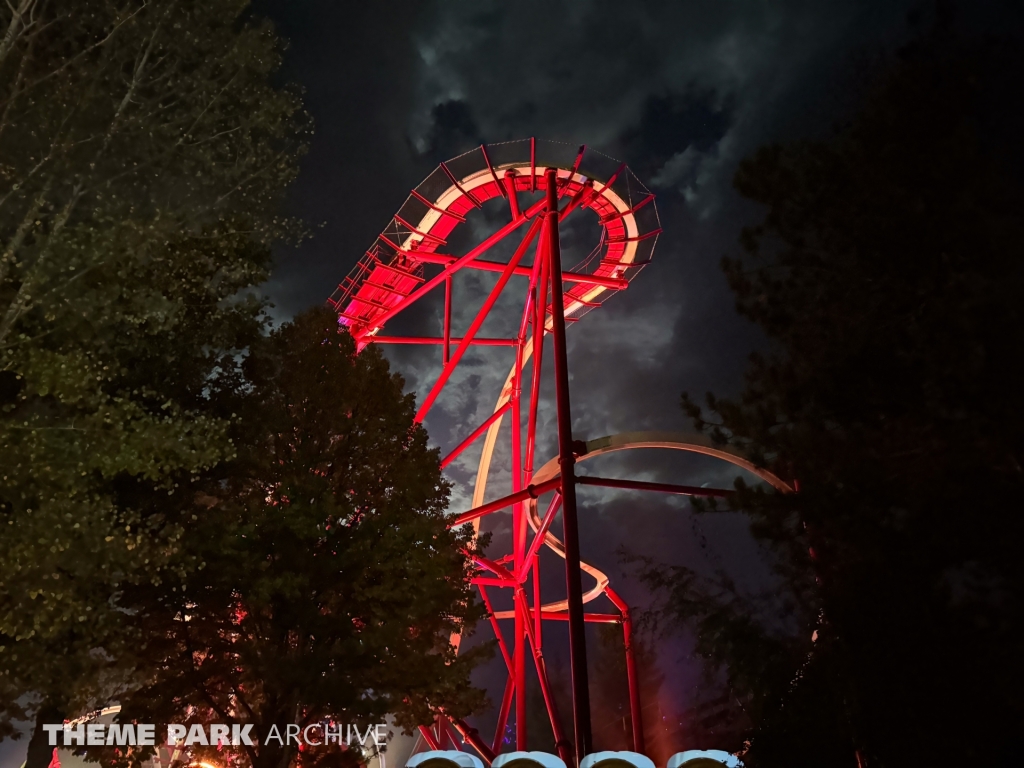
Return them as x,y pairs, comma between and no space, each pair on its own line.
540,310
453,733
440,732
561,744
506,705
510,191
632,678
518,550
635,710
519,664
533,163
446,351
518,516
566,460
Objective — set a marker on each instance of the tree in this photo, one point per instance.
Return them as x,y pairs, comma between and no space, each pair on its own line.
887,275
142,150
328,582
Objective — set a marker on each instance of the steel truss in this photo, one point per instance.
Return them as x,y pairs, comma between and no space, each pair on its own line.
394,275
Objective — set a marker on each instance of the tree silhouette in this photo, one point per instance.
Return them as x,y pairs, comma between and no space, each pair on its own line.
887,276
320,580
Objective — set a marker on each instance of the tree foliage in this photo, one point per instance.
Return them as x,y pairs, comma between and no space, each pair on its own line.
142,150
328,582
887,274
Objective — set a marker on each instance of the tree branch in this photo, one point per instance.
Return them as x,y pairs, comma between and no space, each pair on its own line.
77,56
17,27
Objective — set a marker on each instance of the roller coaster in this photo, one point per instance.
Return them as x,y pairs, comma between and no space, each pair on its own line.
542,184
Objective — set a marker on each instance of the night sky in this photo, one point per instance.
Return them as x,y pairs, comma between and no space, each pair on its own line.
681,91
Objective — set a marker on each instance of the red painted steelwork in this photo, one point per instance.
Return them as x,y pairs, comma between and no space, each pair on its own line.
636,714
460,350
566,460
497,630
510,192
497,266
441,340
590,618
404,267
447,338
561,745
474,435
639,485
538,539
429,737
472,737
529,492
506,706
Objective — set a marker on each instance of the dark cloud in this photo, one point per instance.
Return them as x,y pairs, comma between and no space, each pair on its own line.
452,131
671,124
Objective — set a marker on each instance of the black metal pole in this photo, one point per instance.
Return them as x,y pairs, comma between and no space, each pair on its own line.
566,460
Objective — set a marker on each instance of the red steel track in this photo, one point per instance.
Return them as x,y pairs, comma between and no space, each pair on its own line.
407,262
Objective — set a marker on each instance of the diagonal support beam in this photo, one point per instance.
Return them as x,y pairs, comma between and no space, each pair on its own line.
539,321
455,266
478,321
506,707
429,737
538,540
561,743
497,629
471,736
640,485
529,492
476,433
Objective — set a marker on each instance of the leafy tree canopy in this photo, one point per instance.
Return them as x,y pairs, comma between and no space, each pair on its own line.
328,582
142,150
887,274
